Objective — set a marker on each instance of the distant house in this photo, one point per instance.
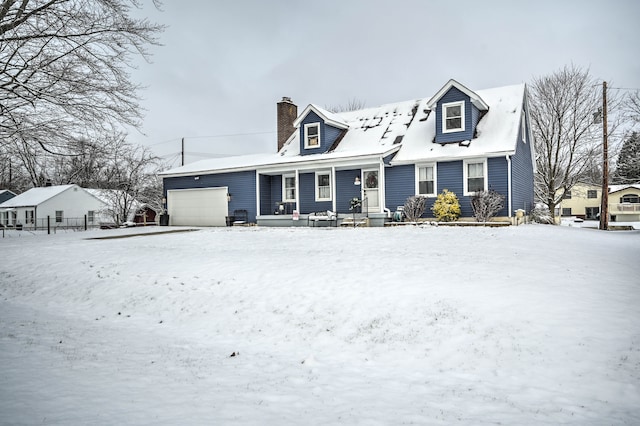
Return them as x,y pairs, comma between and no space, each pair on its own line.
62,205
123,207
5,195
624,203
458,139
584,201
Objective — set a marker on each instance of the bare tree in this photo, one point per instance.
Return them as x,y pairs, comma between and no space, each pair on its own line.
414,208
562,117
352,104
633,106
486,204
64,69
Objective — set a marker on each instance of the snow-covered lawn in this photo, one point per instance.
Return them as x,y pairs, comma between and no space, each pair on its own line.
437,325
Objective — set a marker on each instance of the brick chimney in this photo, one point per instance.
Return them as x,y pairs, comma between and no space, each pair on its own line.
287,113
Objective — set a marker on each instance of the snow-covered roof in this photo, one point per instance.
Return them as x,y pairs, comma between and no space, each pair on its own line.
475,98
36,196
330,118
407,128
617,188
3,191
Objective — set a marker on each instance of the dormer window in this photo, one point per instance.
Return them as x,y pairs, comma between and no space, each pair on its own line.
453,117
312,135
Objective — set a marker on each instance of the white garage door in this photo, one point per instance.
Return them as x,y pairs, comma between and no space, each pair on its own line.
198,207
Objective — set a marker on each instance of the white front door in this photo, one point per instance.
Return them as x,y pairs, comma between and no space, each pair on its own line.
371,189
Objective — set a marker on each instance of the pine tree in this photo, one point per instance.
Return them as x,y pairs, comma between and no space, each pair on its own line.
628,167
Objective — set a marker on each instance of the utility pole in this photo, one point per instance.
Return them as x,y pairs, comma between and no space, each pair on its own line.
182,151
604,207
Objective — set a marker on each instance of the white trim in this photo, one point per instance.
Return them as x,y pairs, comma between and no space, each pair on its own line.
465,179
475,99
523,127
306,136
435,179
461,104
510,207
333,189
257,193
317,187
284,187
326,116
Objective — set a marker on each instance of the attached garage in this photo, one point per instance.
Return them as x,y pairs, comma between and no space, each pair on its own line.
198,207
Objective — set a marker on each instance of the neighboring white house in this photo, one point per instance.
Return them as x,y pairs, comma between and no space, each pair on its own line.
62,205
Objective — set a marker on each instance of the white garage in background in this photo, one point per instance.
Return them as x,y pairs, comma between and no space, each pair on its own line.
198,207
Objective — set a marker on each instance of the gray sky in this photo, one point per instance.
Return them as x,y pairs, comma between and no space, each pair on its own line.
225,64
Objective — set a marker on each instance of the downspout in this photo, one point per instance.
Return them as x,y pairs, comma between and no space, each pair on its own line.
257,194
333,189
381,187
509,184
297,191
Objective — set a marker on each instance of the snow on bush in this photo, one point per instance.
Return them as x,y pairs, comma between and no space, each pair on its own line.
414,207
486,204
446,208
541,214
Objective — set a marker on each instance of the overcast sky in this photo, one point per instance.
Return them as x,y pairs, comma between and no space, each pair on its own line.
224,65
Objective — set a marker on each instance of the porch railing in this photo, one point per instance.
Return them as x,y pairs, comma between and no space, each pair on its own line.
624,208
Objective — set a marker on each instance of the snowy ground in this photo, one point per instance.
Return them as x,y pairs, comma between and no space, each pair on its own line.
437,325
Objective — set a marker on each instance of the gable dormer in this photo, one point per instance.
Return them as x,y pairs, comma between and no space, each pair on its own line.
318,129
458,111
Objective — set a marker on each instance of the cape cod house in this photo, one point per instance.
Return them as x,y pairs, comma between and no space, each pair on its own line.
459,139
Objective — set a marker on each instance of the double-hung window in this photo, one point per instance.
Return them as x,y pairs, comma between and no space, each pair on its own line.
289,188
312,135
475,176
427,180
323,186
453,117
91,214
58,216
592,193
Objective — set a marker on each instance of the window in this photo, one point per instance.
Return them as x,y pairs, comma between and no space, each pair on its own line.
566,211
323,186
475,176
523,129
426,180
58,216
567,195
592,213
630,198
453,117
312,135
289,188
91,216
28,216
592,193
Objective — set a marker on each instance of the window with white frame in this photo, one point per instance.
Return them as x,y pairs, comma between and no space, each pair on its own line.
427,180
323,186
453,117
289,188
592,193
58,216
91,216
475,176
312,135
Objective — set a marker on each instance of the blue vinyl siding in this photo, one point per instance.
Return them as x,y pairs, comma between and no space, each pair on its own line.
450,177
276,190
499,180
328,134
308,202
267,202
522,175
455,95
399,185
241,186
345,189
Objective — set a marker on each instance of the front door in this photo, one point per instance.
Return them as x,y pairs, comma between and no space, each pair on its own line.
370,189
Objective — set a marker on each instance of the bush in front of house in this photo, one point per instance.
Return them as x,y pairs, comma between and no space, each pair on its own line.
486,204
541,214
414,207
446,208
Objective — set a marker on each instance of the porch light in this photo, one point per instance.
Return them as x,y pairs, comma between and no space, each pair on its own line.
228,197
357,181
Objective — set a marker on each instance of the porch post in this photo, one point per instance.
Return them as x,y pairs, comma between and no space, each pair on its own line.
297,190
334,192
257,194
